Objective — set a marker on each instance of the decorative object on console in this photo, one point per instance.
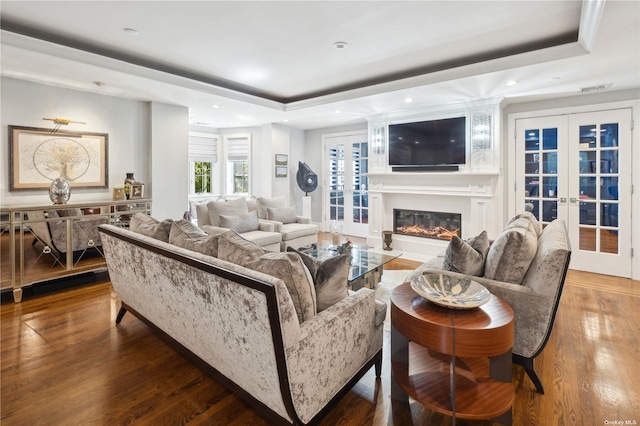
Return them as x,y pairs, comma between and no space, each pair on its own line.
118,194
128,181
59,191
387,235
307,180
137,191
36,157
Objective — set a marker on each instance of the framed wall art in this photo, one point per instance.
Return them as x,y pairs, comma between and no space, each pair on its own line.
37,156
137,191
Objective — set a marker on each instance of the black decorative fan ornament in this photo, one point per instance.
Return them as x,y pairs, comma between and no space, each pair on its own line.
306,178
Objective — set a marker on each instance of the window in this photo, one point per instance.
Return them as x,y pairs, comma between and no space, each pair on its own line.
202,161
238,149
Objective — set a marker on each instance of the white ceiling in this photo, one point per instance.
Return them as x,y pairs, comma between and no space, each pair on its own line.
266,61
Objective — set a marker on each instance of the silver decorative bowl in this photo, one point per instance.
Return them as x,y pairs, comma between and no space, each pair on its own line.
450,292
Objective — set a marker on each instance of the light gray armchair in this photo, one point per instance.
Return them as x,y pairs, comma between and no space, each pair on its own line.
535,301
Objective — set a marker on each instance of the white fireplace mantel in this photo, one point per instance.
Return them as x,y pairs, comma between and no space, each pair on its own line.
474,195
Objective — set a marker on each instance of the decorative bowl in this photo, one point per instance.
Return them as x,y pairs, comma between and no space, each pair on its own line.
450,292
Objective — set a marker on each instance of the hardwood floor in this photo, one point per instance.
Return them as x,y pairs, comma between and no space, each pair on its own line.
64,362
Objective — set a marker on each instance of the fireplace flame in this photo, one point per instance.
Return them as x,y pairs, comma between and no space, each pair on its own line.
435,232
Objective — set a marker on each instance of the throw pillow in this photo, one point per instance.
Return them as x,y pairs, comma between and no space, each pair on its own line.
330,278
241,223
186,235
284,214
230,208
523,219
511,254
146,225
265,203
290,269
235,249
467,257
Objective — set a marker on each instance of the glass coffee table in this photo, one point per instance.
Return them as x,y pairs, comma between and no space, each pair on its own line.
366,266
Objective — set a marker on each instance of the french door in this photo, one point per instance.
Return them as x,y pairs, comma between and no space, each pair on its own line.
577,167
347,196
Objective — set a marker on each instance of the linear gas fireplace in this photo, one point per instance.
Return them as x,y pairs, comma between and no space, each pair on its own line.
417,223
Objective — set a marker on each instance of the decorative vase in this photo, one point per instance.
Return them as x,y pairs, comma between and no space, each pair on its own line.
336,234
129,180
387,239
59,191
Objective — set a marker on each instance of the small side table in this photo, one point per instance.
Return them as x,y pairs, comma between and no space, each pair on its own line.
455,362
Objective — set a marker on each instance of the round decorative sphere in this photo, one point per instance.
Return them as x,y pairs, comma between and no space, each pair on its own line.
59,191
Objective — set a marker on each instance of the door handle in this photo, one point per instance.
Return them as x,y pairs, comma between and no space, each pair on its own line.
573,200
563,200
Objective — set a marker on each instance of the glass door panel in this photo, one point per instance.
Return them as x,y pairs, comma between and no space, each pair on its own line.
348,195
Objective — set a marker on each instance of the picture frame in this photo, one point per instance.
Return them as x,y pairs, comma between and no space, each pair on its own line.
282,171
137,191
282,159
39,155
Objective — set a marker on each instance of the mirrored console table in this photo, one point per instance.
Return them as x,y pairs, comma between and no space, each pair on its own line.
45,242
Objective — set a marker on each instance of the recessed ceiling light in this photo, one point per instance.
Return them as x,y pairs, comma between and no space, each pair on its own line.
408,100
511,83
130,31
337,111
215,106
285,121
340,45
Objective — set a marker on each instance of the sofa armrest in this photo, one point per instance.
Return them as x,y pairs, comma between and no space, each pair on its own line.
277,226
267,225
304,219
332,347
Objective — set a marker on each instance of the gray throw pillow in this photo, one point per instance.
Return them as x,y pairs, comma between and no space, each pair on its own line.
265,203
235,249
186,235
330,278
511,254
284,214
241,223
290,269
467,257
230,208
146,225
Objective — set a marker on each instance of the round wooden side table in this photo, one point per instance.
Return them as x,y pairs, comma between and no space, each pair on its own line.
455,362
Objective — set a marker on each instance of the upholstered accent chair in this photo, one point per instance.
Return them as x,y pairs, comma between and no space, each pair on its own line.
535,297
296,231
52,234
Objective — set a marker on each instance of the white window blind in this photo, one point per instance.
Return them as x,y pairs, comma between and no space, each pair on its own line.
202,148
237,149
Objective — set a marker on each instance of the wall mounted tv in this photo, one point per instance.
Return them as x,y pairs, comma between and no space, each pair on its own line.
434,144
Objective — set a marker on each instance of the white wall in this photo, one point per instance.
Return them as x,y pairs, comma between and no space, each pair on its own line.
125,121
169,157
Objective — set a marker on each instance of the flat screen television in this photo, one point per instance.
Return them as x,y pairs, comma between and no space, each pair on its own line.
426,144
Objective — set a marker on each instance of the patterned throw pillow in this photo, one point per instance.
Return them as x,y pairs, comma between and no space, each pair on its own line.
235,249
511,254
186,235
290,269
330,278
284,214
467,257
241,223
146,225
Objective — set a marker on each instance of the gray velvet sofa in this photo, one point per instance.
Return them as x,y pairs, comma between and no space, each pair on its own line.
536,296
242,326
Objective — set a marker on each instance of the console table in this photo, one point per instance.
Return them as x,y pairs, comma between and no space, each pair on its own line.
455,362
24,262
